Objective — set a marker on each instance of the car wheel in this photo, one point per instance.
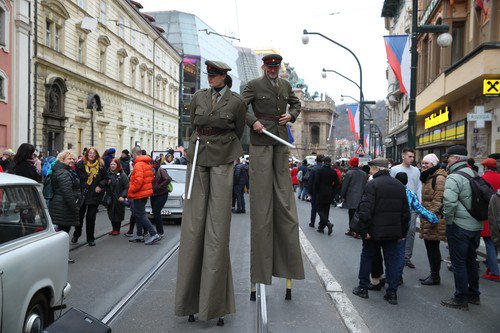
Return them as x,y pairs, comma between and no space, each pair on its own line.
38,315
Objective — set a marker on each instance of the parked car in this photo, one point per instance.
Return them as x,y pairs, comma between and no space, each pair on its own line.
33,258
175,203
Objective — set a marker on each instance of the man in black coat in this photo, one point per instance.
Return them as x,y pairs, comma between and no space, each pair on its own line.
239,182
325,183
383,220
312,173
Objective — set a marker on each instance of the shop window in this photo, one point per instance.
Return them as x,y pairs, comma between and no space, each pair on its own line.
458,45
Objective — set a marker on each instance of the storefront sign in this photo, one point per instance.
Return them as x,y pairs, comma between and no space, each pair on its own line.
491,87
479,116
437,118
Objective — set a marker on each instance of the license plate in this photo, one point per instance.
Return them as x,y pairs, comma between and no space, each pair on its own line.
166,212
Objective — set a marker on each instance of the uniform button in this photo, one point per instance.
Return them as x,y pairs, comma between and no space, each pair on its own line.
278,109
208,142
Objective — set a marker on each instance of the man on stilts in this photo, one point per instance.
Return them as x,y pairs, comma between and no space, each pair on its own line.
275,246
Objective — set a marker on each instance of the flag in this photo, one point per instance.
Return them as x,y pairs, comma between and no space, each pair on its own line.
353,115
367,140
399,58
290,136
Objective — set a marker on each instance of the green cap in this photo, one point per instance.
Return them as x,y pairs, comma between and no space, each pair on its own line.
216,67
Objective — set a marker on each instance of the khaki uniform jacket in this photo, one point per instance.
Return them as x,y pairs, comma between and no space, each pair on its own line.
271,101
432,200
228,115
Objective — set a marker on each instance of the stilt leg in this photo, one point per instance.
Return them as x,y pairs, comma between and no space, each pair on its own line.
253,292
288,295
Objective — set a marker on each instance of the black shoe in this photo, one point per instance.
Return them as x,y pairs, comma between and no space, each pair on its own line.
236,211
432,281
474,300
71,261
288,295
360,291
243,211
191,318
221,321
74,240
409,263
425,278
252,296
376,287
322,231
391,298
91,243
455,304
311,225
330,228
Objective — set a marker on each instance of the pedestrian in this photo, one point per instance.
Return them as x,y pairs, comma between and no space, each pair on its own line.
325,182
433,179
161,183
204,277
139,190
240,180
7,162
336,191
64,207
462,230
414,183
293,174
302,180
383,221
125,161
492,177
352,189
24,162
92,174
38,163
275,247
311,191
472,164
116,194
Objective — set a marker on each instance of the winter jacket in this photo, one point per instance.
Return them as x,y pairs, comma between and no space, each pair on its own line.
303,168
384,212
352,187
7,165
417,207
27,169
63,207
312,172
492,178
125,162
116,187
432,200
160,181
141,179
325,181
294,173
494,218
240,174
90,196
458,198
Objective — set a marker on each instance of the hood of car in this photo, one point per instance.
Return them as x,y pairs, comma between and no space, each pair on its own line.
178,189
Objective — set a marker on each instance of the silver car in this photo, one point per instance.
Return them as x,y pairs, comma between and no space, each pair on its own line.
33,258
173,207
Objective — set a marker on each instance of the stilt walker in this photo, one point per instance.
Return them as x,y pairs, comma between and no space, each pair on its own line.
275,246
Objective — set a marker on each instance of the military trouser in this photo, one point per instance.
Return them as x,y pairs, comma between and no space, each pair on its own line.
204,279
275,247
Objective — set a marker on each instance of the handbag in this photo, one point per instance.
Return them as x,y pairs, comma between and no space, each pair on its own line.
107,200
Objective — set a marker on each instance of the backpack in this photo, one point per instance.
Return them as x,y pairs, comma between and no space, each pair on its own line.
47,165
481,195
48,190
299,176
305,177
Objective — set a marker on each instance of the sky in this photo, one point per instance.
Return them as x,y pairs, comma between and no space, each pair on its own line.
279,24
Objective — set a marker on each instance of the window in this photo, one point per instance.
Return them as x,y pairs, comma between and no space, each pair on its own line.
102,60
3,87
121,69
21,212
133,76
458,45
315,135
4,25
121,27
102,16
81,51
82,4
57,39
48,33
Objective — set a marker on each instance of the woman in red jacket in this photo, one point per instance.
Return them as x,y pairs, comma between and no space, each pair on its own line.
493,178
295,181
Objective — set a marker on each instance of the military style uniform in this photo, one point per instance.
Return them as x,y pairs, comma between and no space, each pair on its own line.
275,247
204,278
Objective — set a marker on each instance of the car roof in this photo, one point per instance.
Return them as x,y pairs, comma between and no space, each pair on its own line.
10,179
174,166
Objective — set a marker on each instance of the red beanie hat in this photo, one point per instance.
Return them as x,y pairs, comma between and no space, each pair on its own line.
354,162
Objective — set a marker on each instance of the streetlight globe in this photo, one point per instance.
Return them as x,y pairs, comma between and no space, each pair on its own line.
444,40
305,39
341,98
323,75
373,107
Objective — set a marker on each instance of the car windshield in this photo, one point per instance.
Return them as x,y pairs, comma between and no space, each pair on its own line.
178,175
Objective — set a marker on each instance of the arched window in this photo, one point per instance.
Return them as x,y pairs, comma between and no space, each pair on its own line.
315,134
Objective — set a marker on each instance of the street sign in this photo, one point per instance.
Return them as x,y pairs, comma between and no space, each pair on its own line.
360,150
479,116
491,87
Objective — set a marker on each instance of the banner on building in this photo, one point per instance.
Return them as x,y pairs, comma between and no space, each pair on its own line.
399,58
485,6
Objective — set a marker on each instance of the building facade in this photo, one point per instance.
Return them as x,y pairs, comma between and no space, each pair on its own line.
105,77
450,80
6,17
197,42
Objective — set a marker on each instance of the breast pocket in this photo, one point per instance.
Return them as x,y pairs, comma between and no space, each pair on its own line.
228,116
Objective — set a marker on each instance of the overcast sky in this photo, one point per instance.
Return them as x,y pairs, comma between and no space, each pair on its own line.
279,24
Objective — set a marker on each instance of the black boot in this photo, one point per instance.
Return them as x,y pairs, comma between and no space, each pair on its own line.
432,280
455,304
191,318
425,278
252,296
288,295
360,291
221,321
391,298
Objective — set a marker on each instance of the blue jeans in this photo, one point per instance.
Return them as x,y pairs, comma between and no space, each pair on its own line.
313,209
157,204
463,245
303,192
391,259
491,256
401,259
410,236
138,207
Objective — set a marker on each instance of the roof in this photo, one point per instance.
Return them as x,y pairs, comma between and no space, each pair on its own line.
390,8
10,179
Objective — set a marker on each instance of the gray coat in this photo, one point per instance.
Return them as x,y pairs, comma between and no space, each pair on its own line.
353,187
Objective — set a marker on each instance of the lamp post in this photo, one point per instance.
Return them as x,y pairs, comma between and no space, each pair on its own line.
444,40
365,103
305,40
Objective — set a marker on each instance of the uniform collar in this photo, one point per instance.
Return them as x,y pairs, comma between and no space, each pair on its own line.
221,92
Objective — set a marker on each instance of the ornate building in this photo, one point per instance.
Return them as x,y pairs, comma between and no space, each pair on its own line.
105,77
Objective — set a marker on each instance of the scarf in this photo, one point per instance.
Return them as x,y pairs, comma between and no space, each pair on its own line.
427,173
92,170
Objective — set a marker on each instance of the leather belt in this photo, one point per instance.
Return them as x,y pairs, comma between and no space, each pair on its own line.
211,131
266,116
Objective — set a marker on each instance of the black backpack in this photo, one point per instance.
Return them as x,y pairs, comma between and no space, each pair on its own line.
48,191
306,175
481,195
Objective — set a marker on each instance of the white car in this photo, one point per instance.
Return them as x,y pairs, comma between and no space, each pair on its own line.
175,203
33,258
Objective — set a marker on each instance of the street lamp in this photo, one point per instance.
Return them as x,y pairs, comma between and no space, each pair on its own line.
373,107
305,41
